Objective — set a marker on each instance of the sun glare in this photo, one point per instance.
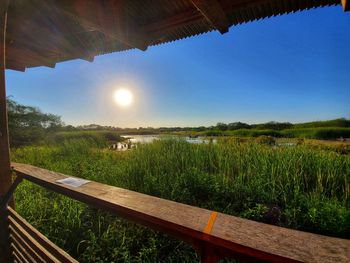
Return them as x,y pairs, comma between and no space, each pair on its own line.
123,97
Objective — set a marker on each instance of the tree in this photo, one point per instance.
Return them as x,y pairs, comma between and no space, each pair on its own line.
273,125
28,124
238,125
221,126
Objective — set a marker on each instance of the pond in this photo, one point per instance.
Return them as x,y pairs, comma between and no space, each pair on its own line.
132,140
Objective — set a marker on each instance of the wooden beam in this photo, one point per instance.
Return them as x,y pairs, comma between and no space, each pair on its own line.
15,66
5,168
92,15
22,54
45,56
157,29
61,36
173,22
346,5
214,13
45,243
235,237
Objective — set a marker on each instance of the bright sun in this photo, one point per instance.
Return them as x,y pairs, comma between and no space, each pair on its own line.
123,97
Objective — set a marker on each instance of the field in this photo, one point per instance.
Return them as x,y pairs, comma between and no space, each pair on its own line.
321,133
302,187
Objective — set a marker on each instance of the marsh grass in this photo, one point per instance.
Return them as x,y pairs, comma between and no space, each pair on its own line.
320,133
297,187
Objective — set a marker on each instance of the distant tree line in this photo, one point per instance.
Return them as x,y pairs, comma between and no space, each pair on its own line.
272,125
29,125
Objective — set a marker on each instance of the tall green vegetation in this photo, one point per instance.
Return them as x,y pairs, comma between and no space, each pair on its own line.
296,187
323,133
28,125
299,187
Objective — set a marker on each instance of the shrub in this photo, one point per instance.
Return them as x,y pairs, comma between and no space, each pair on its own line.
263,139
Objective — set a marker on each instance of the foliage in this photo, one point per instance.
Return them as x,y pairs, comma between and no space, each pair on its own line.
255,133
330,133
221,126
272,125
237,126
100,138
342,122
299,187
28,125
263,139
317,133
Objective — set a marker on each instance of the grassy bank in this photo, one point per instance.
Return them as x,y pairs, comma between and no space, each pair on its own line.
297,187
98,138
323,133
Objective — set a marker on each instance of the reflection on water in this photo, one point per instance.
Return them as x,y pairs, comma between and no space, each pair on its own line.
132,140
150,138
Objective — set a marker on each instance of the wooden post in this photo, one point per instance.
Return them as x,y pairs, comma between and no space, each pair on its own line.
346,5
5,169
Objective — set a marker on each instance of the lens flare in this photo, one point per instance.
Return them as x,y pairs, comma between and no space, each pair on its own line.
123,97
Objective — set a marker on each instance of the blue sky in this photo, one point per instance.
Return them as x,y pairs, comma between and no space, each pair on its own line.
289,68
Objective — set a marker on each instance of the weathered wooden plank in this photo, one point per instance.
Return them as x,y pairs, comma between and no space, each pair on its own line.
213,12
15,66
54,250
16,258
239,236
20,253
16,244
92,15
30,251
5,169
35,247
59,26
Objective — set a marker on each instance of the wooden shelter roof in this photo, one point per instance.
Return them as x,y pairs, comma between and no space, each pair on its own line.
45,32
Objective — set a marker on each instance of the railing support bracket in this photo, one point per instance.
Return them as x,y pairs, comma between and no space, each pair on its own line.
5,199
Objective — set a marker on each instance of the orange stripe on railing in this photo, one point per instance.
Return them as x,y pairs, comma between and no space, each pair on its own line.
210,224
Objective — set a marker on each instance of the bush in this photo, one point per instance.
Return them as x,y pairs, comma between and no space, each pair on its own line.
317,133
263,139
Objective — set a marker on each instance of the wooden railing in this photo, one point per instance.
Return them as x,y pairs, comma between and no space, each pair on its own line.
213,235
29,245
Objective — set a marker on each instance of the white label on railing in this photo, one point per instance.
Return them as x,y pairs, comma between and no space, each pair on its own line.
73,182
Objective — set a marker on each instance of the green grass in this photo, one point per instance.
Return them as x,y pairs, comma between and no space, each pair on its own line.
325,133
322,133
98,137
296,187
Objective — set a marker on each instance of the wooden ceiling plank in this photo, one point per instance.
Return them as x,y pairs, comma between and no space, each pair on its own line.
191,16
86,16
18,53
173,22
54,43
214,13
101,27
15,66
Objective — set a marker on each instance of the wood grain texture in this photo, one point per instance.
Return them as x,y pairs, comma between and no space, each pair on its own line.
5,169
60,30
57,253
22,254
213,12
19,241
238,236
34,247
